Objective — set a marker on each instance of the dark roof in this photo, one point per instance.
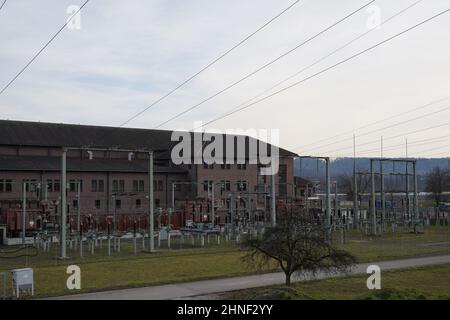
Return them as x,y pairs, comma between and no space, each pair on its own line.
25,133
14,163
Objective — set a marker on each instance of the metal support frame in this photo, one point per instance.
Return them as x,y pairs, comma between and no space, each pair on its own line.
63,210
382,175
327,187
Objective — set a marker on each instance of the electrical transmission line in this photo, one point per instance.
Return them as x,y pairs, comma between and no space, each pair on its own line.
383,128
320,60
263,67
402,145
328,68
1,6
210,64
42,49
393,137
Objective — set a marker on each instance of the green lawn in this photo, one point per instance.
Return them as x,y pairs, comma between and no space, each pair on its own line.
408,284
101,272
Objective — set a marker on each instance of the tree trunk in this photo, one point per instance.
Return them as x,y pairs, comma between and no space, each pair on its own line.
288,280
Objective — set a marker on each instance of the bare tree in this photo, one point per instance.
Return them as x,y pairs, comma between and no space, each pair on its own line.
298,245
438,181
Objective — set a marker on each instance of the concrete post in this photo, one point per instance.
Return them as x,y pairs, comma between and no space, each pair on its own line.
373,210
212,205
63,205
328,197
150,208
355,189
382,195
273,207
24,210
416,200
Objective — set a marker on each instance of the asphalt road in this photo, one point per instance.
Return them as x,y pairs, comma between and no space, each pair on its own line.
205,287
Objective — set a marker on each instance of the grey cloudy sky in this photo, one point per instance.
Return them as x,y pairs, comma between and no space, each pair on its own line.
129,53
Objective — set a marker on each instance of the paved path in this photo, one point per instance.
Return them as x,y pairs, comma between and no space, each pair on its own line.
205,287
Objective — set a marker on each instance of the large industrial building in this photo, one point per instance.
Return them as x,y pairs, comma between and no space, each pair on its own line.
103,181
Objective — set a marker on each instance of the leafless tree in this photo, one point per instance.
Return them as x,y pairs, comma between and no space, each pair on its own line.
438,181
298,245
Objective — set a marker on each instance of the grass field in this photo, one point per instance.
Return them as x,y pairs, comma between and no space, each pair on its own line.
100,271
408,284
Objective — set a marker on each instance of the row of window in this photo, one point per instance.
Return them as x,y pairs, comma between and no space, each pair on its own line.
225,166
117,203
225,185
54,185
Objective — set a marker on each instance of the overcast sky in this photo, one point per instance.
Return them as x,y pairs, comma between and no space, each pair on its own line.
129,53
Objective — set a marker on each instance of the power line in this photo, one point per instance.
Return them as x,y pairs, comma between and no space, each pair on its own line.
1,7
210,64
322,59
328,68
263,67
402,145
383,128
393,137
416,143
443,154
378,121
43,48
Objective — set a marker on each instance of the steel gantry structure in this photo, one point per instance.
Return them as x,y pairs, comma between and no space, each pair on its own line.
407,174
63,213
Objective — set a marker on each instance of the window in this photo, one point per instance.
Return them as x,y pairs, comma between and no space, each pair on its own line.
138,203
94,186
138,185
6,185
225,186
157,203
242,185
228,166
97,204
115,186
101,186
118,186
49,185
205,185
56,186
242,166
157,185
75,203
118,204
73,186
205,166
222,166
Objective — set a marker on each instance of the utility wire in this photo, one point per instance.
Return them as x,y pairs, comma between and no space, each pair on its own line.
393,137
264,66
210,64
320,60
328,68
42,49
402,145
382,128
1,7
